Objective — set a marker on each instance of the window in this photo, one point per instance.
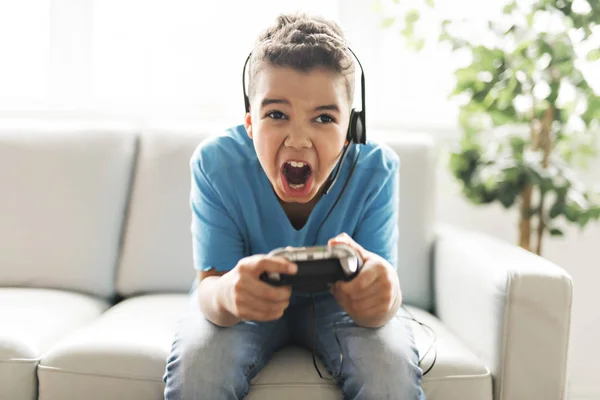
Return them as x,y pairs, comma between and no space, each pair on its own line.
171,61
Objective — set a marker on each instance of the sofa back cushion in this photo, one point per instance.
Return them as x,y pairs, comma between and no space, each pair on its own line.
157,253
157,246
63,196
416,218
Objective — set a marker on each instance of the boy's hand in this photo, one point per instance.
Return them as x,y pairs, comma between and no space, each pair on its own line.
373,296
247,297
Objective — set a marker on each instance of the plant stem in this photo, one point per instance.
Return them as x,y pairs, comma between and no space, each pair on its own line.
541,226
544,143
525,218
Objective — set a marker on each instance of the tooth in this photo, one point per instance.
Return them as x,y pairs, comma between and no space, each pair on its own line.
296,186
297,164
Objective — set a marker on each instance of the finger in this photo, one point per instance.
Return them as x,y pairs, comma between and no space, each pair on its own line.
267,292
367,293
340,297
344,238
249,305
249,314
256,265
363,281
277,264
371,306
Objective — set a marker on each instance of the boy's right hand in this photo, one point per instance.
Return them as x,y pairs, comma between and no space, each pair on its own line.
247,297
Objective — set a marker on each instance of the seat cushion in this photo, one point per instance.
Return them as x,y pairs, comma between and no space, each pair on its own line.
63,198
458,374
123,355
31,321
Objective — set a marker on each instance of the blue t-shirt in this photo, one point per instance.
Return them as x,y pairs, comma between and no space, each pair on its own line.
236,213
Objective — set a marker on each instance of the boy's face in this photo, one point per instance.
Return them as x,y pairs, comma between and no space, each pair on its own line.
298,122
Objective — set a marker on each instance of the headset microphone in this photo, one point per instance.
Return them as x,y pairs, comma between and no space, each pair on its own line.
331,180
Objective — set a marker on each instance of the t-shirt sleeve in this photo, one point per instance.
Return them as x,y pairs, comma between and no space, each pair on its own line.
377,231
216,239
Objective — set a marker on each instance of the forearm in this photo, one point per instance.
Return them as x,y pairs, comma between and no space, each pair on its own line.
211,298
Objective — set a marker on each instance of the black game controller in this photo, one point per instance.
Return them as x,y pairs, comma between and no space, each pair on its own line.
318,267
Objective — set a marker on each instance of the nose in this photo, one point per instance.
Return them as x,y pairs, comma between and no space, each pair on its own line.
298,138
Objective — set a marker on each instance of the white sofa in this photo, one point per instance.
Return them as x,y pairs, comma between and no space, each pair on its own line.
96,264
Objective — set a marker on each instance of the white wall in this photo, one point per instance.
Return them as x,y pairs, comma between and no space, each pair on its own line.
578,253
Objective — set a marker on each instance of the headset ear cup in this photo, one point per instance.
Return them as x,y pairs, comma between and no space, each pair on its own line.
356,129
246,103
352,126
359,128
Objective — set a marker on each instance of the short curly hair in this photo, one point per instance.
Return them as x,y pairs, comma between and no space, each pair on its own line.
303,42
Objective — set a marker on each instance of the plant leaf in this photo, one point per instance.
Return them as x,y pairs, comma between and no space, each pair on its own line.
593,55
412,16
509,8
387,22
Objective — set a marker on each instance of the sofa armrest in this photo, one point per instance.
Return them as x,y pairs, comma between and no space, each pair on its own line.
511,307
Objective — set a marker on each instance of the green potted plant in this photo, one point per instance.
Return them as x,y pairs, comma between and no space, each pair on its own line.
529,115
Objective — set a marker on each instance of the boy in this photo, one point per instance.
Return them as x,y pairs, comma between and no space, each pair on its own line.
262,186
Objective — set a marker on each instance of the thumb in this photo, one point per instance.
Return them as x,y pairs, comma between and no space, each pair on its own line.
257,264
277,264
344,238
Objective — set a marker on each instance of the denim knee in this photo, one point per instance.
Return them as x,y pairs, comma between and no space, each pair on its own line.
202,363
390,379
381,363
212,362
196,371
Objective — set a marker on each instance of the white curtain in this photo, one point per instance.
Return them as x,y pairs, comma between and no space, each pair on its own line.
165,62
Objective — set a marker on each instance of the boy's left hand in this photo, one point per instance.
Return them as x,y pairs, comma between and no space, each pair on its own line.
373,296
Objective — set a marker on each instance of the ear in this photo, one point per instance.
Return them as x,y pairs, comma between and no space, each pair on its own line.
248,124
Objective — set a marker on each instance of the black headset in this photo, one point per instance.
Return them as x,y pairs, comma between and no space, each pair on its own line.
357,132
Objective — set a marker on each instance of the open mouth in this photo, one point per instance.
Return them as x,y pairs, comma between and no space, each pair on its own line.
297,175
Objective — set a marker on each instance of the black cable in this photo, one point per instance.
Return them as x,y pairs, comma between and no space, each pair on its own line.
339,195
335,323
337,339
432,346
311,295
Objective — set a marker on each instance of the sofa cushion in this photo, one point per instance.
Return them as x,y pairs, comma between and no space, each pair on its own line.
416,219
31,321
64,196
157,247
123,355
157,253
457,373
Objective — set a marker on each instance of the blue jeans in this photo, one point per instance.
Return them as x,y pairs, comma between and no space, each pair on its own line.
212,362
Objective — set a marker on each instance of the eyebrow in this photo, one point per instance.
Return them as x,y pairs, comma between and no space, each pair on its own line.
267,102
327,107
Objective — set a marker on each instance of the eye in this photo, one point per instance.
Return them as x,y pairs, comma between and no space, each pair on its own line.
325,119
276,115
